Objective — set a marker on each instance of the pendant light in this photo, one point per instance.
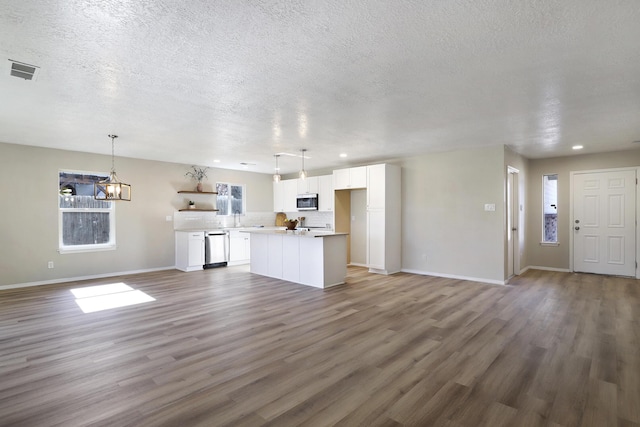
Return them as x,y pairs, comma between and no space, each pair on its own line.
111,188
303,173
276,176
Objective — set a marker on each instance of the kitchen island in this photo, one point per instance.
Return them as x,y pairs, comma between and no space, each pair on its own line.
310,258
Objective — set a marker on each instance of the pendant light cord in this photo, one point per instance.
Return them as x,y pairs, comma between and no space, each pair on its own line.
113,155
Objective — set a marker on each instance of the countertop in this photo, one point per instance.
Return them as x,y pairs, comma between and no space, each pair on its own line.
300,233
229,228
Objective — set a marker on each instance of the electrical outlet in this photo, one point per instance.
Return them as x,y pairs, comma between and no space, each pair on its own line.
424,257
168,218
50,264
490,207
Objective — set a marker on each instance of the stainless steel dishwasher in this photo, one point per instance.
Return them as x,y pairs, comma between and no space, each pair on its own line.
216,248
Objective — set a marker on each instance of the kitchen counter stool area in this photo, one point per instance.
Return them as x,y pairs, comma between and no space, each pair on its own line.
307,258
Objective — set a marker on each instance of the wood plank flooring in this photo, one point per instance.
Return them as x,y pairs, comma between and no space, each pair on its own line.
225,347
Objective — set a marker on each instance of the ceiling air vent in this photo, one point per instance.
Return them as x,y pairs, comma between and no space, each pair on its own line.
24,71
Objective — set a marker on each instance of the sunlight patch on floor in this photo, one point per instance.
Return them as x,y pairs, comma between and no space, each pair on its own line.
104,297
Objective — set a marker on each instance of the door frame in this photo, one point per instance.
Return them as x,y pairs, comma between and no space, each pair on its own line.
571,194
516,220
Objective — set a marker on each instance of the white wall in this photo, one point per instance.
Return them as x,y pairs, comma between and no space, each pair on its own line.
145,240
443,216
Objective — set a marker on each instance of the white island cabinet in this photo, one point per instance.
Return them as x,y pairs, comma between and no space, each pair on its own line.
310,258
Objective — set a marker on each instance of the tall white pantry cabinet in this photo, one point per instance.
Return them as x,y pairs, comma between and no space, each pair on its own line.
383,219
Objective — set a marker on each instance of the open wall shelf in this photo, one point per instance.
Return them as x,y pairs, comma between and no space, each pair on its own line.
197,192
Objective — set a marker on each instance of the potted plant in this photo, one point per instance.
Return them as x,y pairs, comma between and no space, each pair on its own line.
197,174
192,204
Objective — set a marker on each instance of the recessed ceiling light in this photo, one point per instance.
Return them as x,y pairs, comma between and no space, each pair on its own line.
577,147
343,154
216,161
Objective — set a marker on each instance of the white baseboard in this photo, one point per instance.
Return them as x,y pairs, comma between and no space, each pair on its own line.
75,279
454,276
357,264
538,267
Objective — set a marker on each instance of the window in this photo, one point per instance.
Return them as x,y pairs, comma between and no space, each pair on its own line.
550,208
231,198
85,224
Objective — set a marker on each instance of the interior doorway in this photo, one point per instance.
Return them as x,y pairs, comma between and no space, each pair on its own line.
512,223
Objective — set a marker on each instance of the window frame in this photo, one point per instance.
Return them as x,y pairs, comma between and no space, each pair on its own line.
543,240
97,247
244,198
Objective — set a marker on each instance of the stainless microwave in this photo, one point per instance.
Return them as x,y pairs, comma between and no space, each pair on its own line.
307,202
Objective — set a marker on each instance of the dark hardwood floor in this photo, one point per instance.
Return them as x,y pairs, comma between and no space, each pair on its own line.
225,347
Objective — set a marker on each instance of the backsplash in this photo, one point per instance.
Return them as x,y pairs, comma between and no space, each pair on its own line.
313,218
210,220
186,220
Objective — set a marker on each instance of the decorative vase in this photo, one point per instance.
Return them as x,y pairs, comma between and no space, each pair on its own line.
199,187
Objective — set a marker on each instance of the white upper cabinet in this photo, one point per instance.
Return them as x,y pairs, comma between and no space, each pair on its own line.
325,193
376,186
290,194
345,179
284,195
278,197
358,177
308,185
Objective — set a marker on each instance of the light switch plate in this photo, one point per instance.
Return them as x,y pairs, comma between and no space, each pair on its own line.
490,207
169,218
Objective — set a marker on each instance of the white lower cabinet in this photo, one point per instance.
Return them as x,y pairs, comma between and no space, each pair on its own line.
376,239
239,247
189,250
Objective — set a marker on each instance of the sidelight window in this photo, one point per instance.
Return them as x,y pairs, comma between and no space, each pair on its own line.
85,224
550,208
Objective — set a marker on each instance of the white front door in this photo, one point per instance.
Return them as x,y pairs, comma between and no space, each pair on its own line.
604,225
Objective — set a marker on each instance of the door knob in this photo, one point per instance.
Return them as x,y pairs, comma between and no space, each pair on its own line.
577,228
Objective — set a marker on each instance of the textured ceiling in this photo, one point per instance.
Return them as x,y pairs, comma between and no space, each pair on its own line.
238,81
